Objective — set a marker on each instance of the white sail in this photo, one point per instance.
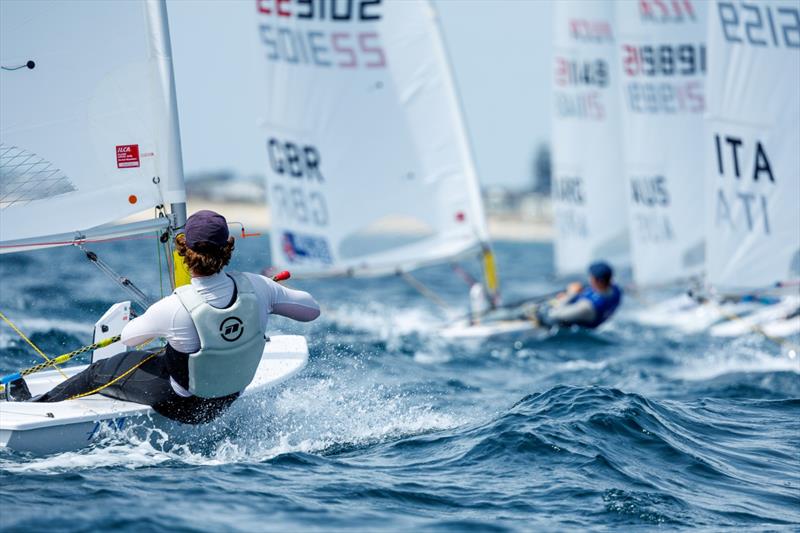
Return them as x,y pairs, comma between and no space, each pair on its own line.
662,60
751,144
89,134
588,190
364,138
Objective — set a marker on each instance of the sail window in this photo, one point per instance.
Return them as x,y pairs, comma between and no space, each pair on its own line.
26,176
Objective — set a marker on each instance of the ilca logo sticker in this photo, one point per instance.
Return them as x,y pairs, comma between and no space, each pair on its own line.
231,329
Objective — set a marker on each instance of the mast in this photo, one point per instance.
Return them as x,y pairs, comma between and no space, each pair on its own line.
170,165
171,162
489,269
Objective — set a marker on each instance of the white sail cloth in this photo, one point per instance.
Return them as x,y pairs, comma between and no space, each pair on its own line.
364,138
662,64
87,135
589,204
751,144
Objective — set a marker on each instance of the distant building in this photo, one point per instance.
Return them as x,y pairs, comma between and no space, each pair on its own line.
542,171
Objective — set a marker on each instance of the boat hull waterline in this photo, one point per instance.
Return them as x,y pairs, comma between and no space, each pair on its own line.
46,428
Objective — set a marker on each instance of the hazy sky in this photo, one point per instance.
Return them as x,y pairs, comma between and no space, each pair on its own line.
501,57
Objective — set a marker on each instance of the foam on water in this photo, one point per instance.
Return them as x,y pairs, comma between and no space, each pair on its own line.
389,324
43,325
306,415
387,428
745,354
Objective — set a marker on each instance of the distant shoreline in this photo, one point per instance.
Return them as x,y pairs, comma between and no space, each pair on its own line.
255,217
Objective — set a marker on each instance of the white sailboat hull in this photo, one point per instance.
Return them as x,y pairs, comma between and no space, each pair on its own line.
686,315
773,318
45,428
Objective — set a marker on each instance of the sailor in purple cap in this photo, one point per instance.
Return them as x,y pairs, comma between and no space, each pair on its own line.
586,307
214,327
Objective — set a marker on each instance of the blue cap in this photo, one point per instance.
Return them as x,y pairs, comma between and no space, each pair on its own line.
601,271
206,227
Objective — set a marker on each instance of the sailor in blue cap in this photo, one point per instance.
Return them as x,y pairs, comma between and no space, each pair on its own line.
586,307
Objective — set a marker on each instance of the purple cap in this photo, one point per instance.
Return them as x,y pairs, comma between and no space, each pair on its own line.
206,226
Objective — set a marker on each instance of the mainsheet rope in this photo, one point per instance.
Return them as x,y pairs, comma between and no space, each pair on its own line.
425,291
30,342
124,374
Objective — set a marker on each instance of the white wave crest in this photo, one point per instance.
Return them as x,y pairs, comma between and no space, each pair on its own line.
308,415
746,354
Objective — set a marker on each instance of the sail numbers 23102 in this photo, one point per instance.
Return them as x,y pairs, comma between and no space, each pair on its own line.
320,45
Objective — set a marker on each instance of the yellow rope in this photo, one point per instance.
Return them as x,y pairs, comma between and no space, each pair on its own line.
126,373
30,342
63,358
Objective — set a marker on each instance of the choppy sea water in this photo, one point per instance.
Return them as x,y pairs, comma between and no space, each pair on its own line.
390,428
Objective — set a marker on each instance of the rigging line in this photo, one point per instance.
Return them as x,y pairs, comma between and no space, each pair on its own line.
468,278
160,270
141,298
30,342
124,374
165,238
28,64
63,358
168,254
425,291
74,353
28,413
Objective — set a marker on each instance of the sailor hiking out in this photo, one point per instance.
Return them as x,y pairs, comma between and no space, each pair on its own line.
586,307
215,331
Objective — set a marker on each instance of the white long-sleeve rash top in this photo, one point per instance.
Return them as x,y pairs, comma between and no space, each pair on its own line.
169,319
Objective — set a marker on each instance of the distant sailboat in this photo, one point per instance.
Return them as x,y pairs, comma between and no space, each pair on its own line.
752,159
589,204
88,135
370,168
752,180
588,186
662,60
663,64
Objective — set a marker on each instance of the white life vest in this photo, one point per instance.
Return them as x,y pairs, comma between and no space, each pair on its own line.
478,301
231,340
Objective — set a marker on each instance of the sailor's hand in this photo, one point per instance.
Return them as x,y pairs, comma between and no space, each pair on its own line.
574,288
